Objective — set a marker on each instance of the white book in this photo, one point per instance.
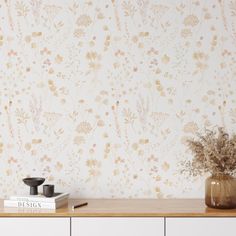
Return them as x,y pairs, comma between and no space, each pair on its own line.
35,204
41,198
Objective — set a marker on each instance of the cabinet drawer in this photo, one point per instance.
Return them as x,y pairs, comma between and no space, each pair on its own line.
200,226
34,226
117,226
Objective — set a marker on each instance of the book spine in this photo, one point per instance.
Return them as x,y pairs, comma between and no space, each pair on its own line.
35,199
29,204
31,199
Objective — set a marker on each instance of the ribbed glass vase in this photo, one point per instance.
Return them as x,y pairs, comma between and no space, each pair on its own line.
220,191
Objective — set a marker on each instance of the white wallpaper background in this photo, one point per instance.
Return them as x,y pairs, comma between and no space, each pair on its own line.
100,96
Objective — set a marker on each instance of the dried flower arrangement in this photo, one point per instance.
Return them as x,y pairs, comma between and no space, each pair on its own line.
214,152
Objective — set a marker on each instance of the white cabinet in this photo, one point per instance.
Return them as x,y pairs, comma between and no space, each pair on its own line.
203,226
34,226
117,226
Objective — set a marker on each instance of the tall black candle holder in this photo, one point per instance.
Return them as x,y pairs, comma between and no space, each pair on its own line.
33,183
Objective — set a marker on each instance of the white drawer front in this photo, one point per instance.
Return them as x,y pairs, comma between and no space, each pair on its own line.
34,226
201,226
117,226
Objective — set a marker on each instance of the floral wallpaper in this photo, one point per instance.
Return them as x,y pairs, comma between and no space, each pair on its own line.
99,96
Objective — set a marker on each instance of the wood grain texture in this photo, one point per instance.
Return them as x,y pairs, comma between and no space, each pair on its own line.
125,208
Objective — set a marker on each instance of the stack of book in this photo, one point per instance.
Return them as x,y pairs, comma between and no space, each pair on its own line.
38,201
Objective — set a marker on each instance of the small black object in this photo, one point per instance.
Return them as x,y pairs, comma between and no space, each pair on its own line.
48,190
80,205
33,183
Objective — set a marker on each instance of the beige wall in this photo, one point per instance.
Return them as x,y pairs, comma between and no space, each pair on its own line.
100,96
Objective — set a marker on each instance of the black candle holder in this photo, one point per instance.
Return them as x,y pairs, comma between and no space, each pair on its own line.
33,183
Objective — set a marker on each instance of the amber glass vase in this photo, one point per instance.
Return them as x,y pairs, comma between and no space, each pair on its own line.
220,191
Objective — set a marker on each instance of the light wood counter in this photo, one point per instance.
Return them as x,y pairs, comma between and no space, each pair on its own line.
124,208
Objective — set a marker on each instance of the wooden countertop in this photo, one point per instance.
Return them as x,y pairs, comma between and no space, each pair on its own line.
124,208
